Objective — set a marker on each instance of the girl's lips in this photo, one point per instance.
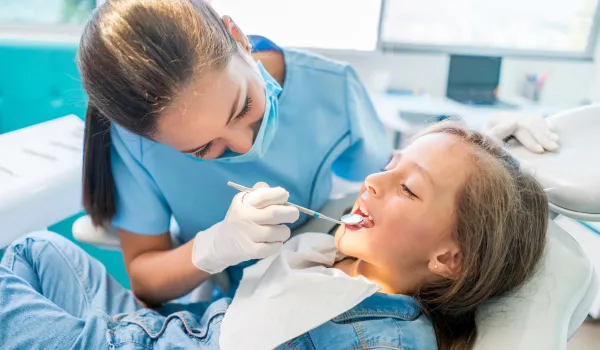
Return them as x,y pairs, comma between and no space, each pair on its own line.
367,219
353,227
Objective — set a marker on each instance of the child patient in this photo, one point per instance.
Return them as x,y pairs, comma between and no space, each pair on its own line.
450,222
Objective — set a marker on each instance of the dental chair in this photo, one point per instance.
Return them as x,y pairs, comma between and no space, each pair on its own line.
549,309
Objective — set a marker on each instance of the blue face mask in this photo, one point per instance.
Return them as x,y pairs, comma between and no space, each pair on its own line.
268,126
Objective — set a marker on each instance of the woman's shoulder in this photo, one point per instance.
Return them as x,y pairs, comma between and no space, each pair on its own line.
300,59
128,144
305,59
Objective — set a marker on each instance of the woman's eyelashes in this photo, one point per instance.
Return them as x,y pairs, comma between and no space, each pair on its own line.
203,151
247,107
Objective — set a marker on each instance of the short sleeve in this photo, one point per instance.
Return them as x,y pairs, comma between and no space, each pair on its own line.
140,205
370,146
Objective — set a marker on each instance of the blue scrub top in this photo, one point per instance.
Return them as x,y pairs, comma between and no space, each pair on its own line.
327,124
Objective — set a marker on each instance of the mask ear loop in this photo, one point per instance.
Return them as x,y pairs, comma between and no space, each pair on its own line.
247,47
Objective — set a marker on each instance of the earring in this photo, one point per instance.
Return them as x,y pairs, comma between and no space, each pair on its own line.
248,47
435,266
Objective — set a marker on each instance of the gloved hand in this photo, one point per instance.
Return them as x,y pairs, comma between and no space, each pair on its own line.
252,229
533,131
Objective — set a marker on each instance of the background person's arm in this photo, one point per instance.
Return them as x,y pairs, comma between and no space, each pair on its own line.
157,272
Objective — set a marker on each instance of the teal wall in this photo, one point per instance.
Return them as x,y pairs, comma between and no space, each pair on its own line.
40,82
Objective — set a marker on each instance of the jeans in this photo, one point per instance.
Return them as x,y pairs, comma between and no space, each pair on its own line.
53,295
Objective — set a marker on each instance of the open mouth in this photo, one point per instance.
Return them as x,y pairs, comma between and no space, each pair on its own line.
368,221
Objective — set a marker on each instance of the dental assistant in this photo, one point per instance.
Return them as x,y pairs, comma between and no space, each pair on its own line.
180,102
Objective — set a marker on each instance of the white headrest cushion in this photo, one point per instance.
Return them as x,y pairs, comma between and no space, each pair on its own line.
538,315
571,174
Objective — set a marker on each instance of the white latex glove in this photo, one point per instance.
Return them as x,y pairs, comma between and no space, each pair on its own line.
533,131
252,229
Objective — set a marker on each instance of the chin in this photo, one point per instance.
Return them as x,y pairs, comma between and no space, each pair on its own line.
339,234
353,243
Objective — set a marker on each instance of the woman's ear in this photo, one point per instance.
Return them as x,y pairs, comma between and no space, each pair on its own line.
446,263
237,34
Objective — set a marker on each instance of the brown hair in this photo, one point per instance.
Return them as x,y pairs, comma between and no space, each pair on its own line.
134,56
500,226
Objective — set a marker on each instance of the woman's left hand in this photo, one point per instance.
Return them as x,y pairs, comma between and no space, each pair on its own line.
533,131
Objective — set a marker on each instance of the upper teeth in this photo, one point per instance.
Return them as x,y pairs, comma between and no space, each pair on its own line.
364,211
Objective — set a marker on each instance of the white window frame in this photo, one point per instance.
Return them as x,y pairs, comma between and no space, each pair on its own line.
402,47
33,33
70,34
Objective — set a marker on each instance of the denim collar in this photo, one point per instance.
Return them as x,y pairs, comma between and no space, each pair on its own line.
384,305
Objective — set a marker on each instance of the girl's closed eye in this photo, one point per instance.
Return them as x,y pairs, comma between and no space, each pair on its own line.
408,192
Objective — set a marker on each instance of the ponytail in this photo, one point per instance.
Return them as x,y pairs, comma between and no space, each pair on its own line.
98,183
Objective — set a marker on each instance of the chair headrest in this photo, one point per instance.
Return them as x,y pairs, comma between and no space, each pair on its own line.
538,316
572,174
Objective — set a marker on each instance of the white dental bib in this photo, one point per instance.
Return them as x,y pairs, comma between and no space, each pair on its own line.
287,295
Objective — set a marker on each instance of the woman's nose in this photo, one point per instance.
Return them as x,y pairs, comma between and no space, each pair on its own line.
240,142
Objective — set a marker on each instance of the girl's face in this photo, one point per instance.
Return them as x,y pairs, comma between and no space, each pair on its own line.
218,111
412,205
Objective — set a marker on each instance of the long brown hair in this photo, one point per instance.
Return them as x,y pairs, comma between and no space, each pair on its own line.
500,225
134,56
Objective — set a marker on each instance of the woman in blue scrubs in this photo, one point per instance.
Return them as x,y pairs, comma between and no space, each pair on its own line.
180,102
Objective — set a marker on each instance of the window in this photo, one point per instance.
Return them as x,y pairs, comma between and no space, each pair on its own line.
331,24
46,12
547,27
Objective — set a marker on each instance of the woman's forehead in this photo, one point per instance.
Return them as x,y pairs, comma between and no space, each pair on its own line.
200,108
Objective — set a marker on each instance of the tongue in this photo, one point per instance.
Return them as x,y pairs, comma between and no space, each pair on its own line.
367,223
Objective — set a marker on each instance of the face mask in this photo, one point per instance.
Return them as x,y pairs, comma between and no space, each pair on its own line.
268,126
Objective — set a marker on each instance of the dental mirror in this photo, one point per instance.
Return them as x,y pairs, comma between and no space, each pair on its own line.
352,219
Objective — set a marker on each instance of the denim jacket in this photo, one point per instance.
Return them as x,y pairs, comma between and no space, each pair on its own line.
377,321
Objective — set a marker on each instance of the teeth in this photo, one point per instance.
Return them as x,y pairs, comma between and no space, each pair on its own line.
364,211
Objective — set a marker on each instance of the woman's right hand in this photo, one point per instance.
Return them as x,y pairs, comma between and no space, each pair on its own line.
252,229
